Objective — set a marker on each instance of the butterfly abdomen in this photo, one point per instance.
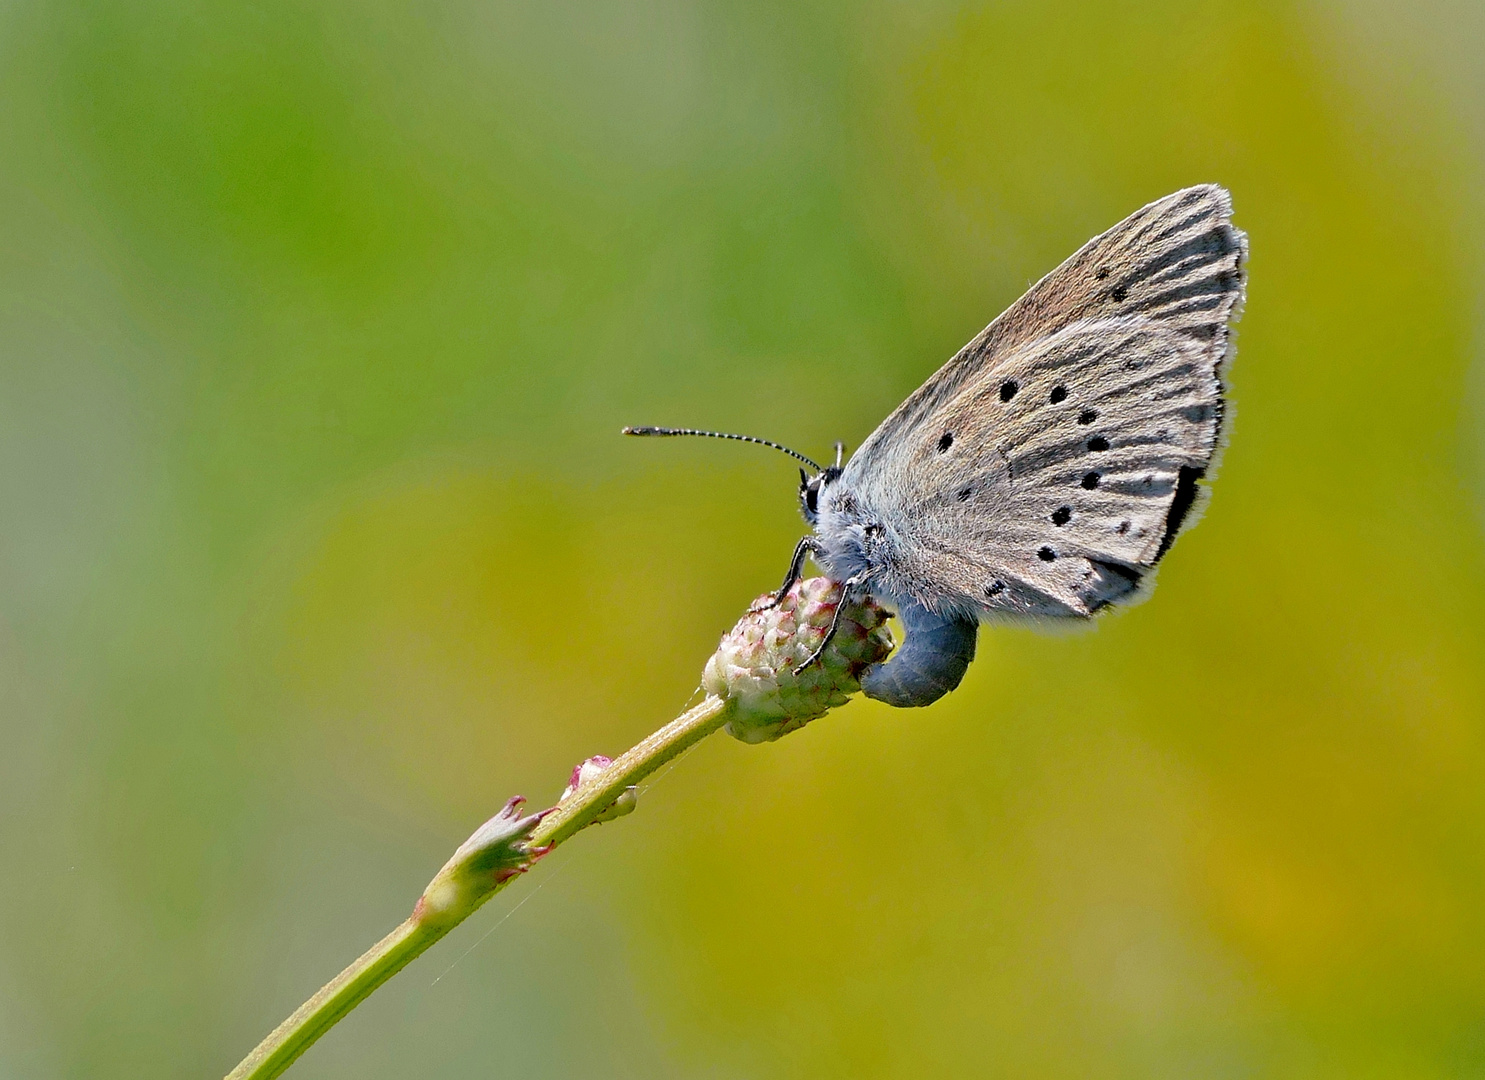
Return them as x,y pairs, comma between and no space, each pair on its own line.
930,663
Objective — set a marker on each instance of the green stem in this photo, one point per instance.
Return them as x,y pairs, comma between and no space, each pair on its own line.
630,767
336,998
406,943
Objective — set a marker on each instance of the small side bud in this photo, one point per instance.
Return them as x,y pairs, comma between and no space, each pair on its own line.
755,663
496,852
587,770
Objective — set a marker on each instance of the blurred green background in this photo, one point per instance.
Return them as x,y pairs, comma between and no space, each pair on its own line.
318,323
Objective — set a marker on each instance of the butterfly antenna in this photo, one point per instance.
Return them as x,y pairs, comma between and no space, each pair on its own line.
720,435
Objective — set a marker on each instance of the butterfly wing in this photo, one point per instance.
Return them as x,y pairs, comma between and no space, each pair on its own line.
1047,467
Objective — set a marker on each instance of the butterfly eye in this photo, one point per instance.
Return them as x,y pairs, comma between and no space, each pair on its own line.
809,494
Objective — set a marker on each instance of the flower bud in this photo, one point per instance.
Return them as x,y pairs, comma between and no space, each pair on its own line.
497,852
755,664
587,770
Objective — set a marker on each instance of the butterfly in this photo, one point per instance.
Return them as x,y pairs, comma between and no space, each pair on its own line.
1046,469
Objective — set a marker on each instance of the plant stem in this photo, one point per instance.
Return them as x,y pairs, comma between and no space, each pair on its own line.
630,767
336,998
406,943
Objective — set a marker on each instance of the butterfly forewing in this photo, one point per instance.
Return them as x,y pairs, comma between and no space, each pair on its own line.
1047,467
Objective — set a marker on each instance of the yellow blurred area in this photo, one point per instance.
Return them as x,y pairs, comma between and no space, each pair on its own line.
318,324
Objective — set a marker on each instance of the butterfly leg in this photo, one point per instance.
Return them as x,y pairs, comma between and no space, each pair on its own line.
845,595
803,549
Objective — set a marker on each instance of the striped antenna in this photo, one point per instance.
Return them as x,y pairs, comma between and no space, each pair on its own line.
667,431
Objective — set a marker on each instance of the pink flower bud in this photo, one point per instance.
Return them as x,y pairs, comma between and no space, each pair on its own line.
755,664
587,770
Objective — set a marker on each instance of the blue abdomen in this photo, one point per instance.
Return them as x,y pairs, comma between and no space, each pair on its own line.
929,664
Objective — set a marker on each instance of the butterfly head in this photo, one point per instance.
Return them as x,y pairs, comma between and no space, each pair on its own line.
812,488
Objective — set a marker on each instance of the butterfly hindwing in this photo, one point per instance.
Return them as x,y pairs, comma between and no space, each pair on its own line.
1047,467
1113,419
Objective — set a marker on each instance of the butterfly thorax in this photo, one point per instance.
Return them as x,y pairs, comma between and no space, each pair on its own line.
855,542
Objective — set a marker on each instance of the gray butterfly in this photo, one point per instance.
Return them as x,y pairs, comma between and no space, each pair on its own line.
1047,468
